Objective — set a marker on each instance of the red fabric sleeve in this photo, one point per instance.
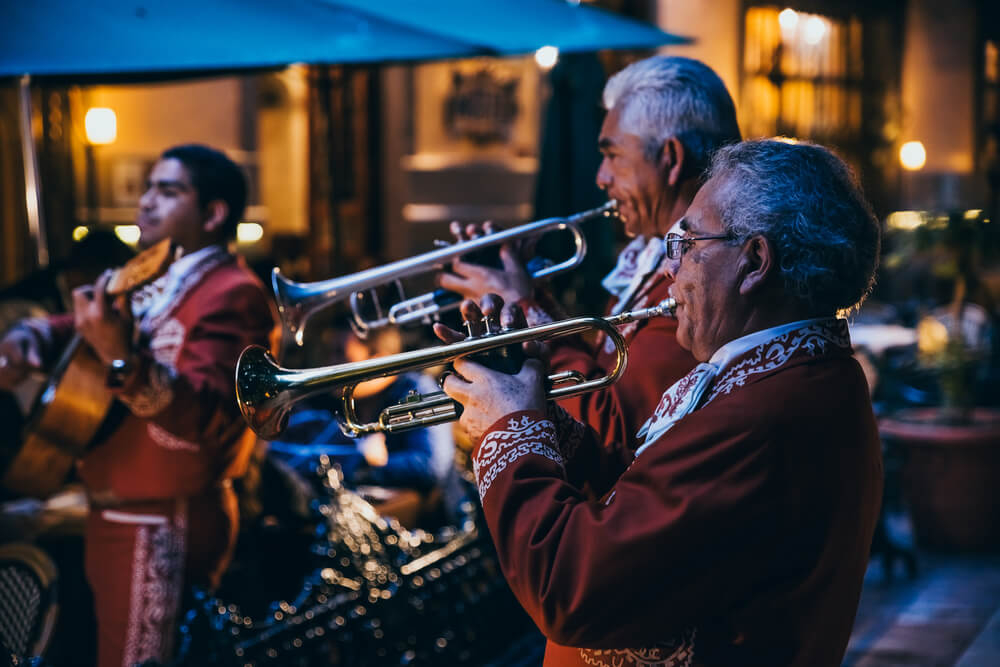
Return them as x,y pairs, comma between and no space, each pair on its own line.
679,536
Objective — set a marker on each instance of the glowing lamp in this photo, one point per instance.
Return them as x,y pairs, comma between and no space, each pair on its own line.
788,19
912,155
815,30
249,232
128,233
101,125
547,57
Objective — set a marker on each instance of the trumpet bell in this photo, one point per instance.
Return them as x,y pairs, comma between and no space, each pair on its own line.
261,393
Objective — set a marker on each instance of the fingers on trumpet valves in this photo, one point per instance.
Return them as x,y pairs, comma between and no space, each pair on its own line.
512,317
472,318
446,334
491,305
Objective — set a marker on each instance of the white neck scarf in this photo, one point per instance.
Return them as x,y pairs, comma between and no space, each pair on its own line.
155,300
635,262
686,394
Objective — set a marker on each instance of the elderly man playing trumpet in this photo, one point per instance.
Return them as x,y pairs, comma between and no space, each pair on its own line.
666,116
739,534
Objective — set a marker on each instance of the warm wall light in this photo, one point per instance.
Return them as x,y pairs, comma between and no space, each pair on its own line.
128,233
547,56
815,30
80,232
249,232
101,125
788,19
912,155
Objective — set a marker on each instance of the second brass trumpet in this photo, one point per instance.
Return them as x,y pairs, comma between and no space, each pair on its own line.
298,301
266,392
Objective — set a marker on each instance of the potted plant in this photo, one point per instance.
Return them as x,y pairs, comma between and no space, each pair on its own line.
951,473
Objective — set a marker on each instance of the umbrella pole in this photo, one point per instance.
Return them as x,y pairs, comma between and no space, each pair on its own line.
32,196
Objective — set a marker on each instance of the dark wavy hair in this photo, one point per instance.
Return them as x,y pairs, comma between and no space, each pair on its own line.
808,203
214,176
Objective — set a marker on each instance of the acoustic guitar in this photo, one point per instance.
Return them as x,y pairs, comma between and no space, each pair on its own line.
75,399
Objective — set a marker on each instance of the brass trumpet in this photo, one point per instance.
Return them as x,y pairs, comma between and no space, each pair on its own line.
298,301
266,392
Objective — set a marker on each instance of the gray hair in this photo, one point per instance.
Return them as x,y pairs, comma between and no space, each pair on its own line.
807,202
672,96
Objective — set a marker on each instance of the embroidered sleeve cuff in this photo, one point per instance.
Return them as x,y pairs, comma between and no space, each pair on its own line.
512,437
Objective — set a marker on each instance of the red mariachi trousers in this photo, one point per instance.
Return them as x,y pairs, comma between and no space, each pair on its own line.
139,559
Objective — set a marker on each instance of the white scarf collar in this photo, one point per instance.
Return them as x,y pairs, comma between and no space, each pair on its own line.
635,262
686,394
154,301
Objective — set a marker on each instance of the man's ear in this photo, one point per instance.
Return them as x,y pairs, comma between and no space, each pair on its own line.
757,262
216,212
672,160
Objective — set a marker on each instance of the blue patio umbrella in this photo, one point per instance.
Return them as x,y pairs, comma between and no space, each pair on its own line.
522,26
102,37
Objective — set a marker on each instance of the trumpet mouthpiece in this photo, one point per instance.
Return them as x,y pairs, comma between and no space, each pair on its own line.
668,305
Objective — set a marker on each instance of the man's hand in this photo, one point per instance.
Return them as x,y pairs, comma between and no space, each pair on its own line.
473,281
19,355
488,395
106,326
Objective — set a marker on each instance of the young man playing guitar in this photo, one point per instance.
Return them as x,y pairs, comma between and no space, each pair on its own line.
162,510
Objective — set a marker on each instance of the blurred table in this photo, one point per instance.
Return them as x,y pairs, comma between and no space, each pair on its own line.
877,338
25,519
404,505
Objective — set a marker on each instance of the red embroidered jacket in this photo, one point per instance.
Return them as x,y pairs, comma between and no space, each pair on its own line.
655,362
739,537
181,433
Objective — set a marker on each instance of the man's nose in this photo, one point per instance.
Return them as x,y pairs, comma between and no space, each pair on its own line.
671,267
146,199
603,175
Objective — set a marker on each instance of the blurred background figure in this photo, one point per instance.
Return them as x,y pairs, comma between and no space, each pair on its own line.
417,461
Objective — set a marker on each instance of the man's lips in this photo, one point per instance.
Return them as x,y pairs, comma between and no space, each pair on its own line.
624,210
677,303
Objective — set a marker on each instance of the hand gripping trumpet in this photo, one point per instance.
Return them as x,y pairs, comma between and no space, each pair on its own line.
298,301
266,392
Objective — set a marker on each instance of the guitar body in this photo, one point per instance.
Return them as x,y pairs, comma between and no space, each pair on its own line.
66,416
74,401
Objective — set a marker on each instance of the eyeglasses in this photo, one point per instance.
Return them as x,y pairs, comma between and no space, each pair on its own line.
676,245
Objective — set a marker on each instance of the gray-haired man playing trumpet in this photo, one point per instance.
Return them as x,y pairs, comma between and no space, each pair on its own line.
739,532
666,116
